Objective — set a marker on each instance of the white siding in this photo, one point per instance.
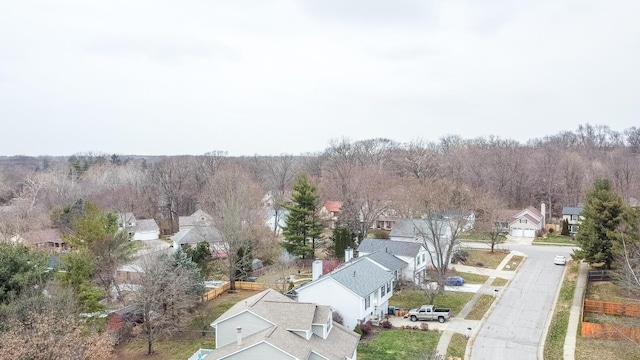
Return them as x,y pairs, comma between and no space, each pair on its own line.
226,330
329,292
148,235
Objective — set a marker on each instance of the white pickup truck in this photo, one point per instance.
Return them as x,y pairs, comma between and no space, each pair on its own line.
429,312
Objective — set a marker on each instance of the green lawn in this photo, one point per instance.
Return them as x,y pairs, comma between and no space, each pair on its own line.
499,282
555,238
457,346
470,278
479,236
412,298
399,344
513,263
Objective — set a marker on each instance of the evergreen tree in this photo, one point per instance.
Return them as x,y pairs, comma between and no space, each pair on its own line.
565,227
602,212
302,226
342,239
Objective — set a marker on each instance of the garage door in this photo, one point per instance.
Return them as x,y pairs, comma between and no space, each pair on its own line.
529,233
516,232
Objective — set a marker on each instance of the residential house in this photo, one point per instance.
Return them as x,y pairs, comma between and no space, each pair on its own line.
521,223
196,228
386,220
269,325
46,239
572,215
329,213
414,254
359,290
275,219
144,229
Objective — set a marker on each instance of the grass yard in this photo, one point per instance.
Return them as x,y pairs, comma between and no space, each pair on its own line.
514,263
499,282
412,298
553,348
184,344
399,344
604,291
598,349
485,258
479,236
480,308
554,238
470,278
457,346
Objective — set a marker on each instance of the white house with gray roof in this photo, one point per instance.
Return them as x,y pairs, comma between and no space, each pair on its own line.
143,229
358,290
413,254
196,228
270,325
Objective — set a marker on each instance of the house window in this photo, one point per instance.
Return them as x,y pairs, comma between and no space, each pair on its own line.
367,302
382,291
574,217
424,257
389,286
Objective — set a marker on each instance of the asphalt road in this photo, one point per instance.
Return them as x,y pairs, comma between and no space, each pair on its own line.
515,327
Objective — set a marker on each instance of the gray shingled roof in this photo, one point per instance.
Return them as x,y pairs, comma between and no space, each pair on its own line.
198,218
410,228
196,235
571,210
387,260
362,276
286,315
398,248
146,225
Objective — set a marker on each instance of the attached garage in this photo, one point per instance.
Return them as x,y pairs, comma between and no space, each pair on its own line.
517,232
529,233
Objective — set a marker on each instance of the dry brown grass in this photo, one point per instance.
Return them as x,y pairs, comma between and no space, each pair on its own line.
499,282
480,308
513,263
599,349
485,258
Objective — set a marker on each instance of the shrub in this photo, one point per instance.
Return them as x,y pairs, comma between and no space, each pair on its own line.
366,328
379,234
387,325
424,326
459,256
550,230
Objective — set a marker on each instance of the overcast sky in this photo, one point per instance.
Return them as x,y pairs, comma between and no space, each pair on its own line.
272,77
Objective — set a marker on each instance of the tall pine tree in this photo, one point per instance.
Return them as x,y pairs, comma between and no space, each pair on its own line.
602,212
302,226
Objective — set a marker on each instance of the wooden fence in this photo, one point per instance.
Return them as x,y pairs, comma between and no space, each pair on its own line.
610,331
612,308
242,285
599,275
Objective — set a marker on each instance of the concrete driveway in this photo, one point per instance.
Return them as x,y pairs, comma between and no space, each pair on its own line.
516,327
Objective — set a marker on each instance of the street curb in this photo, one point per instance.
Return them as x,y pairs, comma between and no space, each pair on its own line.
543,340
472,337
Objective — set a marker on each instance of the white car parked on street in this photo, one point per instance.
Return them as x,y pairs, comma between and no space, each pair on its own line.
560,260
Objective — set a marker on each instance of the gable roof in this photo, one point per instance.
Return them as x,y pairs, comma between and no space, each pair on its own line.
398,248
535,212
416,229
360,275
571,210
196,235
125,218
147,225
387,260
333,206
286,315
42,236
198,218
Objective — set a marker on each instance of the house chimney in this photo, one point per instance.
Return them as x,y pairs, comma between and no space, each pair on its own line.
239,330
348,254
316,269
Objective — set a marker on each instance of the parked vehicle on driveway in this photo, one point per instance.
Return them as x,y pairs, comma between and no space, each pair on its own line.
454,281
429,312
560,260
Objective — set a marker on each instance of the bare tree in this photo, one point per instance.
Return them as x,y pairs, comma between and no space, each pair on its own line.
419,159
168,287
276,175
234,201
171,177
444,211
488,219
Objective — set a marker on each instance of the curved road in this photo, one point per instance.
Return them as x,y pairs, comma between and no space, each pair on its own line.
515,327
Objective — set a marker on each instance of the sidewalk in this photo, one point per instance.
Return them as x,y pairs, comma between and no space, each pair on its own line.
574,315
